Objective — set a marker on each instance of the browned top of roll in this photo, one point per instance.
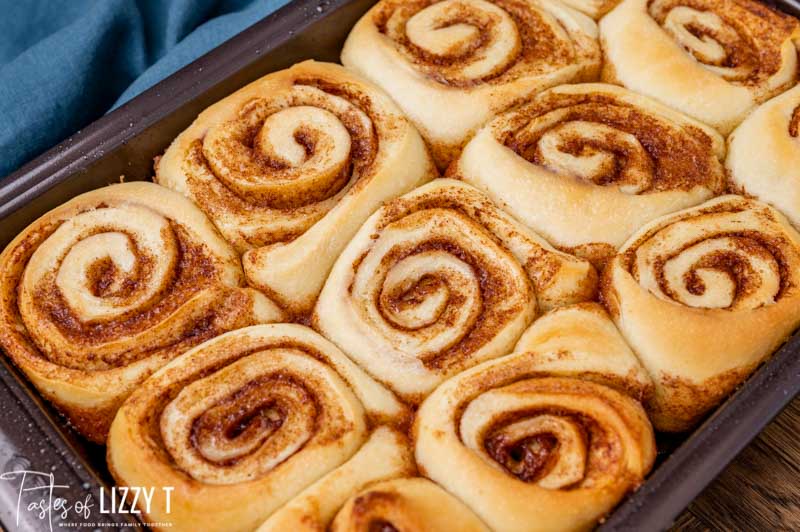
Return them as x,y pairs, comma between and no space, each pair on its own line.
538,47
751,34
674,156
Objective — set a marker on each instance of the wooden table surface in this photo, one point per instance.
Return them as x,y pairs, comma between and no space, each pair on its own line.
760,490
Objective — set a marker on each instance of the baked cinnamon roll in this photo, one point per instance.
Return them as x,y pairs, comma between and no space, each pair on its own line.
545,438
244,422
386,455
764,154
714,60
99,293
437,281
703,296
587,165
290,166
408,504
453,64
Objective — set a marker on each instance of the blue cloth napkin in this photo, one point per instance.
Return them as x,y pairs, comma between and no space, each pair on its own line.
64,63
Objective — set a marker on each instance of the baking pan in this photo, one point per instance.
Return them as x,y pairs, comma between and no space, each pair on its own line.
123,144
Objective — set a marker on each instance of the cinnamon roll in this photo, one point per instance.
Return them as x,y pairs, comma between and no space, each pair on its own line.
99,293
764,154
714,60
453,64
703,296
386,455
437,281
546,438
244,422
587,165
290,166
408,504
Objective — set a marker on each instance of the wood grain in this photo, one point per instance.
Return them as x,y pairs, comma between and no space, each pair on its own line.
760,490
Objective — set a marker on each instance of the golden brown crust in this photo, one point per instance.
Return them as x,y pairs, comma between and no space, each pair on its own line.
99,293
711,59
703,296
764,154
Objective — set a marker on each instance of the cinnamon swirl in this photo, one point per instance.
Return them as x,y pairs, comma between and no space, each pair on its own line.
703,296
764,154
712,59
244,422
408,504
453,64
545,438
102,291
439,280
290,166
587,165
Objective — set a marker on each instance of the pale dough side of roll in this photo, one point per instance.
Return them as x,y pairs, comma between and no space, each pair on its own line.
594,8
413,504
764,154
581,341
386,455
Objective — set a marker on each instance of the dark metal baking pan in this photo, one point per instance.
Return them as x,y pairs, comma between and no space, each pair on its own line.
124,143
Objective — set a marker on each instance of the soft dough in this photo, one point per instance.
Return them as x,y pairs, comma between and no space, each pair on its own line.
439,280
290,166
99,293
587,165
712,59
386,455
703,296
545,438
764,154
407,504
451,65
243,423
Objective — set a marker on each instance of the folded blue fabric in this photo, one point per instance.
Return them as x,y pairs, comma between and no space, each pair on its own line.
65,63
